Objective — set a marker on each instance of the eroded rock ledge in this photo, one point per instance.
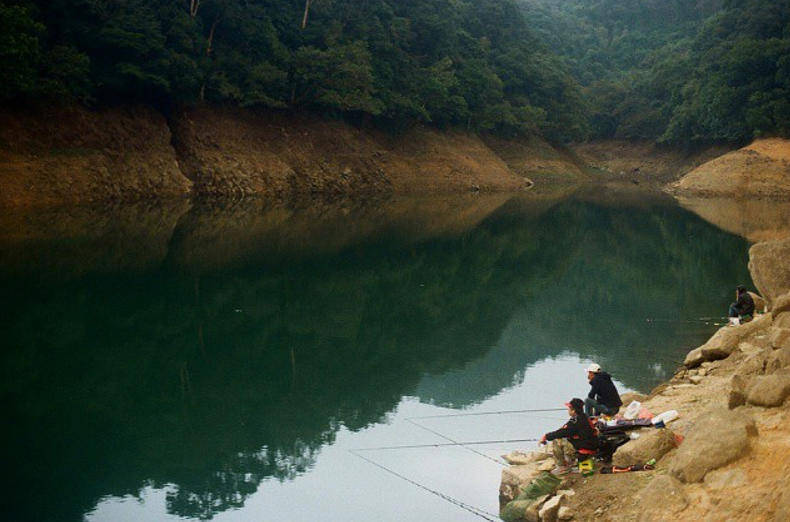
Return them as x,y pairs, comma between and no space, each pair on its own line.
131,153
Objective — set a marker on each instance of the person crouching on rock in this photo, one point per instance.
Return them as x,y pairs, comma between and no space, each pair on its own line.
576,440
603,397
743,307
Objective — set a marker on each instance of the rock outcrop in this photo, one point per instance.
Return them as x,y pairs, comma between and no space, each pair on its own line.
722,439
73,155
768,390
770,269
652,444
761,169
725,341
131,153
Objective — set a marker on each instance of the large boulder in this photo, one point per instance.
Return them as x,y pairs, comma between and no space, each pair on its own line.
725,341
737,396
719,437
782,319
768,390
781,305
548,511
661,499
651,444
777,360
759,302
779,337
769,264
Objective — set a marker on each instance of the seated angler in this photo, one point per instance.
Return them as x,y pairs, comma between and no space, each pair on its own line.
743,307
576,440
603,397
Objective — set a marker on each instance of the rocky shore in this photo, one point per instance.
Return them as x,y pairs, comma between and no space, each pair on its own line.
726,456
75,155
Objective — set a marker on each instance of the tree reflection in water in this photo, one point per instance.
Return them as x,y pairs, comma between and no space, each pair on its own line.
235,350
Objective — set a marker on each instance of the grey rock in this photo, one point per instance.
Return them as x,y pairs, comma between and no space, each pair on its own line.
725,341
565,513
768,390
661,498
548,511
532,513
700,452
694,358
651,444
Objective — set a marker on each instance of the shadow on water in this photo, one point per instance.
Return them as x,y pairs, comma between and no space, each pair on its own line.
209,346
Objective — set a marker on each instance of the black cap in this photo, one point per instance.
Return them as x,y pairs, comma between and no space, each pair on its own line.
577,405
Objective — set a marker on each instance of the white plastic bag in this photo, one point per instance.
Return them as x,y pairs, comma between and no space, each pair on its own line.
632,410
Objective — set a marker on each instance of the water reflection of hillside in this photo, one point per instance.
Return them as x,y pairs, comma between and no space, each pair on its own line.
621,285
231,355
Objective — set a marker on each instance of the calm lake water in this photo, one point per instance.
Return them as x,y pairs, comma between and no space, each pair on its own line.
238,361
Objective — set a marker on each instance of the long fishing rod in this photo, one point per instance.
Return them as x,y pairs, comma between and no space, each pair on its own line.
485,515
486,413
446,444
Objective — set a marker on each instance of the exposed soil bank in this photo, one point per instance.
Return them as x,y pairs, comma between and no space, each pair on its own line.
761,169
70,155
639,162
727,456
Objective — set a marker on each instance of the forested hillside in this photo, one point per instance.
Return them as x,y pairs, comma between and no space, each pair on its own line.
472,63
680,72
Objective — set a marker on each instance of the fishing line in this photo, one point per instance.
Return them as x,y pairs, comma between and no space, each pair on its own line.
446,445
455,442
463,505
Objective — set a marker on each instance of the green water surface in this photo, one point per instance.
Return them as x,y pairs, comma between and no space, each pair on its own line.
217,360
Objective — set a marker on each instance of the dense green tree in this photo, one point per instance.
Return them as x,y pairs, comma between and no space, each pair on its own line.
682,72
449,62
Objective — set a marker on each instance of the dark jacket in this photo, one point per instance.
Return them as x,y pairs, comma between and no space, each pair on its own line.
745,304
578,431
602,390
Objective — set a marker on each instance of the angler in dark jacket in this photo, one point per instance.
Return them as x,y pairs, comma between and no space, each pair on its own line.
603,397
578,431
743,307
